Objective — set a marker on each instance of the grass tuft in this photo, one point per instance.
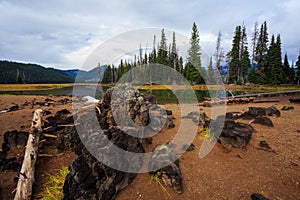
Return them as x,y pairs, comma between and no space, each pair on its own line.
54,186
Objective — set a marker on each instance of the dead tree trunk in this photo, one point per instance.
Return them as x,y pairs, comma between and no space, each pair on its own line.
26,176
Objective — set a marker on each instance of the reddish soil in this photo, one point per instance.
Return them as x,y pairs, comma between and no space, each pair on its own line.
222,174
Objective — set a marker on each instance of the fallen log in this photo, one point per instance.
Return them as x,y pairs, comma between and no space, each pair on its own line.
26,176
294,100
266,101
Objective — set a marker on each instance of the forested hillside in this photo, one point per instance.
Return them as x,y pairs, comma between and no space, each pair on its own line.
13,72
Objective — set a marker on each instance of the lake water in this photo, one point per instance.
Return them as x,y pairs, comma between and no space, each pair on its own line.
162,96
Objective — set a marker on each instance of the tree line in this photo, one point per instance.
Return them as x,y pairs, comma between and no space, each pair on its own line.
263,66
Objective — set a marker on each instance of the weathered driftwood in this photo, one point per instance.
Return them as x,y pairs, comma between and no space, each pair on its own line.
26,176
227,101
266,101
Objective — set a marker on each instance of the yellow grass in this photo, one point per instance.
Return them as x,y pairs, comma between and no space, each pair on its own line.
259,88
23,87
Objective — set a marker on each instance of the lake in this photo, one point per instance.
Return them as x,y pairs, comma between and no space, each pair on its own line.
163,96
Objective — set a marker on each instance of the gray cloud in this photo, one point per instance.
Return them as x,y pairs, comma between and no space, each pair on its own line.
63,33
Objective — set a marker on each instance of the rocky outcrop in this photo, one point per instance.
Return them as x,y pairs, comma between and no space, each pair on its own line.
123,116
165,165
91,179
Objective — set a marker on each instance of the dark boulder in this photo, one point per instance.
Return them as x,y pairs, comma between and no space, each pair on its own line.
285,108
14,139
165,165
187,147
14,108
91,179
258,197
233,134
254,112
264,144
199,118
263,121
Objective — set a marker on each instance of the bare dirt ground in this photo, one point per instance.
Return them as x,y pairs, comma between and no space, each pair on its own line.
222,174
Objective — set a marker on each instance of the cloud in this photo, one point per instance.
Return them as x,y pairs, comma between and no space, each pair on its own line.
62,33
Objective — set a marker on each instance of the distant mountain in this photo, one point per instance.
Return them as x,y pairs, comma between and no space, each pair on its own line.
14,72
70,72
86,76
92,75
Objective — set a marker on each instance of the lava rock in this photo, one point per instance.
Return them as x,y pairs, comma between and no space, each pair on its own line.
263,121
199,118
258,197
285,108
91,179
233,134
187,147
264,144
14,108
14,139
254,112
165,165
9,164
124,116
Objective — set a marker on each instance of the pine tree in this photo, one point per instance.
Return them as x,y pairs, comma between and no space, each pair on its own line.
194,53
252,78
196,71
245,64
162,50
107,75
180,65
288,78
274,70
234,64
298,70
261,51
211,78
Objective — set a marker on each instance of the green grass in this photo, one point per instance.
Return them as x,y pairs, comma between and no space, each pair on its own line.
54,186
157,178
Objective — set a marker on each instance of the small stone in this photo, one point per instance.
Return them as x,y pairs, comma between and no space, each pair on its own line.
285,108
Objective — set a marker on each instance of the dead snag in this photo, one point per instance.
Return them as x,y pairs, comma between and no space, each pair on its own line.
26,176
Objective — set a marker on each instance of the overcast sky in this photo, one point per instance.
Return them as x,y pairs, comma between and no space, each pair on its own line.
63,33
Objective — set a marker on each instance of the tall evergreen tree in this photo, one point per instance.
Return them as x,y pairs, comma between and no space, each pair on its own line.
211,78
163,50
194,53
107,75
289,76
274,69
245,64
195,70
261,51
252,78
298,70
234,64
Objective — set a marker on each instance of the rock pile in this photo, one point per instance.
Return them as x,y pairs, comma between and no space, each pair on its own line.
123,116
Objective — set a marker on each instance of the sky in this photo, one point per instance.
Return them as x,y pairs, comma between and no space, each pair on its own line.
64,33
